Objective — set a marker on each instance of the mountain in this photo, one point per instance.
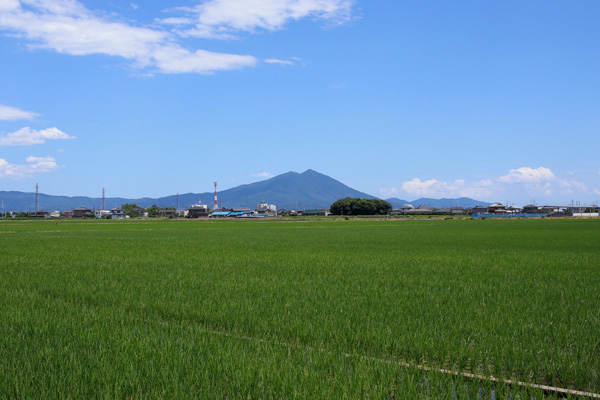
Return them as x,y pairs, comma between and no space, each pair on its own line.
292,190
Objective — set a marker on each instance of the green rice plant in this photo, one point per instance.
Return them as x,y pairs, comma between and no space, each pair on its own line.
297,309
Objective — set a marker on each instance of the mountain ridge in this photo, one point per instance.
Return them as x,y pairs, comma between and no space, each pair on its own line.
291,190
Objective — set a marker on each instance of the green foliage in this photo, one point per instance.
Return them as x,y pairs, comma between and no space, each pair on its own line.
323,309
356,206
152,211
128,208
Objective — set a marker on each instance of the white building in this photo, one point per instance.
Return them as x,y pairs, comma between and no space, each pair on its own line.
264,208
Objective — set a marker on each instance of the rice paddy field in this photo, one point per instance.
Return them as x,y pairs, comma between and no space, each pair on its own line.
359,309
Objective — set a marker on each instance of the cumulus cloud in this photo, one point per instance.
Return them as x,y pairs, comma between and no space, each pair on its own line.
27,137
538,181
528,175
223,18
68,27
11,113
456,188
263,175
36,165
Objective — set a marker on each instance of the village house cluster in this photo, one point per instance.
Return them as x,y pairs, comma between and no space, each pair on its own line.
264,209
499,209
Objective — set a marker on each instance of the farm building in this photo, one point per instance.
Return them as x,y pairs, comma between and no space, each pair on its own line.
82,212
197,211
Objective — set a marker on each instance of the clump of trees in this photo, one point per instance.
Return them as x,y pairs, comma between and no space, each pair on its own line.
356,206
130,209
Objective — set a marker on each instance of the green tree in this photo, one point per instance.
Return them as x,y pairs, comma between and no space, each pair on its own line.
128,208
356,206
152,211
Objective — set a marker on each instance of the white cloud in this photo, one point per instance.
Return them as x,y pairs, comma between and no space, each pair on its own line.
277,61
36,165
528,175
570,186
457,188
68,27
27,137
175,21
263,175
222,18
11,113
534,182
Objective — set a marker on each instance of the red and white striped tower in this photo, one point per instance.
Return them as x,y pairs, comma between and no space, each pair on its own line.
216,205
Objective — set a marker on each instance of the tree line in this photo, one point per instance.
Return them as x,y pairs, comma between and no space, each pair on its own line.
356,206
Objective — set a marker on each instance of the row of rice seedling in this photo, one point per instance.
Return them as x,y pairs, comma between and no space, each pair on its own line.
296,309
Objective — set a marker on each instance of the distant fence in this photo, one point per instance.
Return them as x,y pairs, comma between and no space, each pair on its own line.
512,215
585,214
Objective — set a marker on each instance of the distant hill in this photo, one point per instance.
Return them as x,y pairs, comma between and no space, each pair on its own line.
292,190
465,202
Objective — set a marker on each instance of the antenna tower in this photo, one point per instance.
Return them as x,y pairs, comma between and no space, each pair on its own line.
216,205
177,201
37,197
103,199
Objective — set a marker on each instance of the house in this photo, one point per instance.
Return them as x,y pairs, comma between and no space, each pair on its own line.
40,214
530,208
550,209
479,210
313,213
55,214
402,210
68,214
82,212
102,213
442,211
457,210
197,211
421,210
168,212
117,213
497,208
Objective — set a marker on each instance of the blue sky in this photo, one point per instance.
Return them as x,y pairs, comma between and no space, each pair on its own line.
499,101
